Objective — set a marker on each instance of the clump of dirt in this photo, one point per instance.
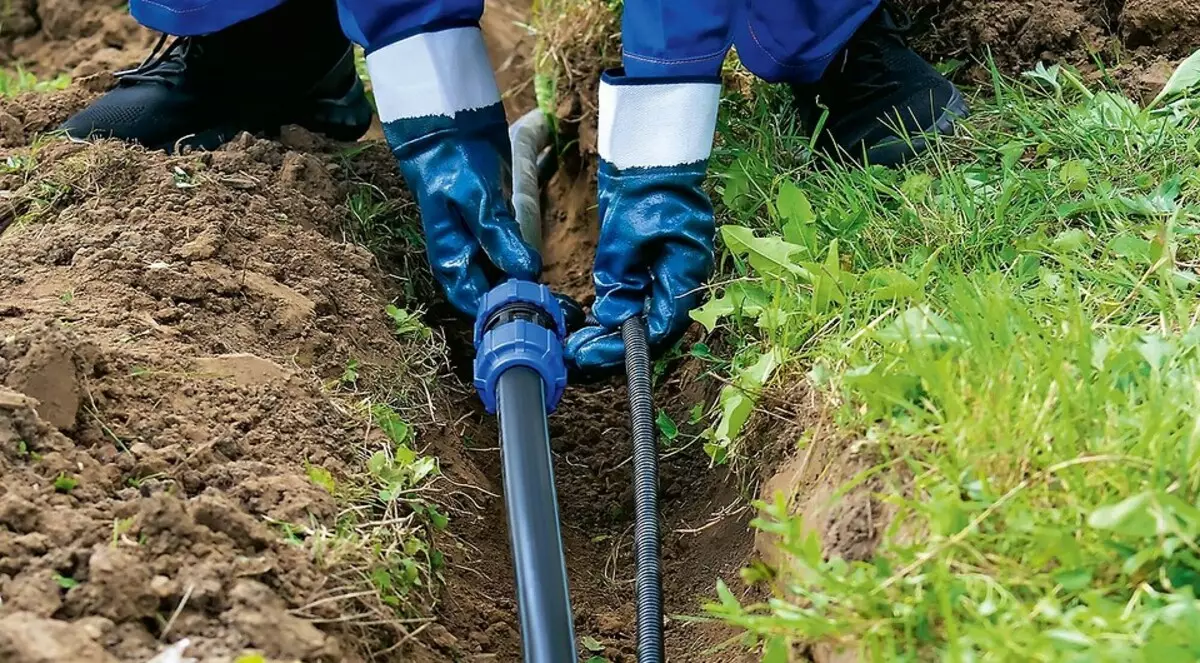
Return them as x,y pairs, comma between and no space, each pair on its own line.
87,40
812,463
1018,33
76,37
1130,41
33,113
1169,27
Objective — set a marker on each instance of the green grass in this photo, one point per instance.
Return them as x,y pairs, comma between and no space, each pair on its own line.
65,582
383,569
1010,324
65,483
379,553
17,81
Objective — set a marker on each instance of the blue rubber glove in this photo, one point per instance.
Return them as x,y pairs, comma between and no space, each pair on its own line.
442,117
656,222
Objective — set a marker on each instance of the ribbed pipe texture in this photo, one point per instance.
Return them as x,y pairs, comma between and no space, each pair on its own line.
645,487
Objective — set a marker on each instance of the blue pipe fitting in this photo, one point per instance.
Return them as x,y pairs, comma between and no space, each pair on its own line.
520,323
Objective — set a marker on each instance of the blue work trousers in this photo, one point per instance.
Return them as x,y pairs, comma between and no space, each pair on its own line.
777,40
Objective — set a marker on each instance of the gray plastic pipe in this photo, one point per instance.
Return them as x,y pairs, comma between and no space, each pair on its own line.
543,599
531,502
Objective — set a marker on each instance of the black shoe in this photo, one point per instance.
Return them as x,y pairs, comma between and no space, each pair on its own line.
885,102
291,65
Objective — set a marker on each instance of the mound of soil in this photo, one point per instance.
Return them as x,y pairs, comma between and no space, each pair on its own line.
76,37
1135,42
164,327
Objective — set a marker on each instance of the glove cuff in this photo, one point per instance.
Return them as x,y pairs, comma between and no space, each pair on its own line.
433,74
651,123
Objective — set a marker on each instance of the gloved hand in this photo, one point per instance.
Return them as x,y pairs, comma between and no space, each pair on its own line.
656,235
442,117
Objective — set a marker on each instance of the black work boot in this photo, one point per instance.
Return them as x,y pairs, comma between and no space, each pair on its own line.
290,65
885,102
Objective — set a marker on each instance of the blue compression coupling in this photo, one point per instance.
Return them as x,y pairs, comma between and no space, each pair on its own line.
520,323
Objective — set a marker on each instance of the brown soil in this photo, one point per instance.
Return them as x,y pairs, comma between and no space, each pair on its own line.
166,324
76,37
510,48
572,229
810,462
1133,42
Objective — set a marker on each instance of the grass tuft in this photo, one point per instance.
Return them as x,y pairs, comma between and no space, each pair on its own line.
19,80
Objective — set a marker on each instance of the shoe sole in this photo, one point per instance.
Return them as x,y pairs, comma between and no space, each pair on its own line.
896,151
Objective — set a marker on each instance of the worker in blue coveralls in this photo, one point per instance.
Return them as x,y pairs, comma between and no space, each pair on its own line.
254,64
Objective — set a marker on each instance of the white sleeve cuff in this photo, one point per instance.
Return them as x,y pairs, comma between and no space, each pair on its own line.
646,125
436,73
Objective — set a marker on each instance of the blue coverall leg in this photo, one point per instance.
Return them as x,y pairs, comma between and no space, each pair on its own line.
196,17
199,17
778,40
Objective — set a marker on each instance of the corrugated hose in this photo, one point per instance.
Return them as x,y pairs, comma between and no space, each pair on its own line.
645,485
